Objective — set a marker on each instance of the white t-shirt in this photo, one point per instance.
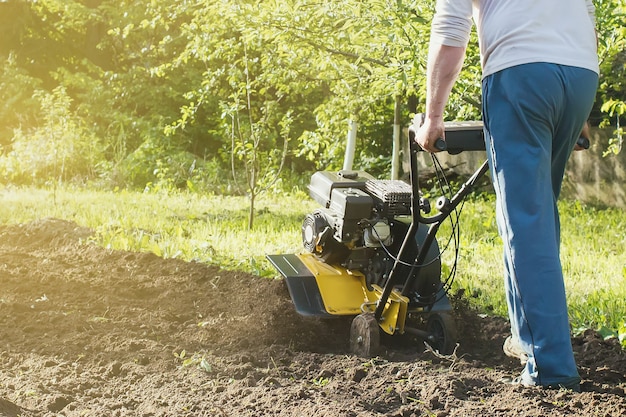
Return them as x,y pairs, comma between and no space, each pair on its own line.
515,32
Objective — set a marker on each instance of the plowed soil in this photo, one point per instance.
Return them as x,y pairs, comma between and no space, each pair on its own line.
86,331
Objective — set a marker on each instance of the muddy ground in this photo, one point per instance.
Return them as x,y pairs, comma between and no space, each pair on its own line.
86,331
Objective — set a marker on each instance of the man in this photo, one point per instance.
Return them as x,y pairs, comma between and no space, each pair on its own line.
540,74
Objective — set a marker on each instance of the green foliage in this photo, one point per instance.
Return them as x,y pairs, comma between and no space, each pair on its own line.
599,310
18,107
60,149
197,360
611,24
321,382
614,108
365,54
159,83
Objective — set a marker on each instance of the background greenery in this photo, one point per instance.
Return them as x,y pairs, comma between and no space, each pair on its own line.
218,95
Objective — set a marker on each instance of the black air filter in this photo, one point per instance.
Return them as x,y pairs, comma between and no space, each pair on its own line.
392,196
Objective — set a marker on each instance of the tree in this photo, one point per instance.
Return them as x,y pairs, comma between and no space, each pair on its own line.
259,92
60,149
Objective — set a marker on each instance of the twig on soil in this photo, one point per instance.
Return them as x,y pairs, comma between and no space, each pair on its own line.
453,358
215,281
274,363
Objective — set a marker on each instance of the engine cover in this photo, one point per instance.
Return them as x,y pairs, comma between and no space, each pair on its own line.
323,183
362,225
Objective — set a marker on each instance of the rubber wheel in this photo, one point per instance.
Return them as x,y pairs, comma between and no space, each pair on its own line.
364,335
442,332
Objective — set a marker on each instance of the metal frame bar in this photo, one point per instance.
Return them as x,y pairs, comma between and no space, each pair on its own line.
417,218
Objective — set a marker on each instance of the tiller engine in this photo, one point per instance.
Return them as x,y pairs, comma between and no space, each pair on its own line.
370,251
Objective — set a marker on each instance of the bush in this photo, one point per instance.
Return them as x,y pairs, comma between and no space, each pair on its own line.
60,149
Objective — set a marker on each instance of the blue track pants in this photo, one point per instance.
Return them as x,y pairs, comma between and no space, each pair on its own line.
533,115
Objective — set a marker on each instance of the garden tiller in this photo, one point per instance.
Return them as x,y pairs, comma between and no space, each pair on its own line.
371,251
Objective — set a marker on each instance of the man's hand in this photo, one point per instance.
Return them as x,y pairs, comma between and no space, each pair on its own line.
427,134
583,134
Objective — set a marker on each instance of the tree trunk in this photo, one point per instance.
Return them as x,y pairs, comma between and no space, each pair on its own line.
251,211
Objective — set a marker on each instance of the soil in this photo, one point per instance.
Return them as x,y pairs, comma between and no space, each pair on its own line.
87,331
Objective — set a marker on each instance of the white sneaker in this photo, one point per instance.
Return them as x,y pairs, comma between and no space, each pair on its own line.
512,349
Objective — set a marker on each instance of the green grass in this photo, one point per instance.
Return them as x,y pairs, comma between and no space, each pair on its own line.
187,226
213,229
592,254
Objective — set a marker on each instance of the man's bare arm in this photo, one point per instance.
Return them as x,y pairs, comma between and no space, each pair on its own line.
444,66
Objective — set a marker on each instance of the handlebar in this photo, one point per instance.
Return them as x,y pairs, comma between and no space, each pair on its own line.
441,144
583,142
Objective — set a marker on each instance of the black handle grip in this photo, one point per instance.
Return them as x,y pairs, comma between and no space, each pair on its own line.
583,142
441,144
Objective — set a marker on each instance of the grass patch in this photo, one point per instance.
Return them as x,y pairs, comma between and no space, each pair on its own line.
592,256
187,226
213,229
